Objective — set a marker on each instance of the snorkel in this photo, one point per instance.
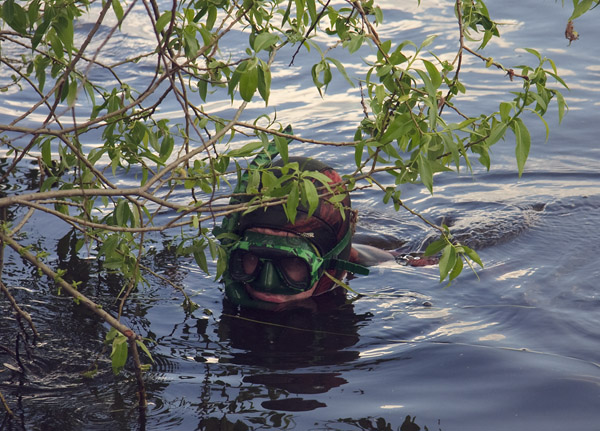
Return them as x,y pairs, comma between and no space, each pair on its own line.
272,257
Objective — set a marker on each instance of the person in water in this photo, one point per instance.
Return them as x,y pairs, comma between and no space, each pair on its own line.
276,261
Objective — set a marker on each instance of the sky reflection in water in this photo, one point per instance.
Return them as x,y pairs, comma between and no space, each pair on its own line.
512,348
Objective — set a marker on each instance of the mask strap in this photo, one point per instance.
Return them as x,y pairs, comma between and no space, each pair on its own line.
354,268
331,260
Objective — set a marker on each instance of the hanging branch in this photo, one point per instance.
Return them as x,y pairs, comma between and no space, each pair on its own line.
89,304
18,310
6,407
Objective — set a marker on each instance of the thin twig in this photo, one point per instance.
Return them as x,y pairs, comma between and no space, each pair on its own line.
6,407
313,25
85,301
509,72
22,313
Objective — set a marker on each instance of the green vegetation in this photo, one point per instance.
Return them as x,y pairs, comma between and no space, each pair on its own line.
88,125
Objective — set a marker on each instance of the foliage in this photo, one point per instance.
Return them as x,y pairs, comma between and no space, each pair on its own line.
88,124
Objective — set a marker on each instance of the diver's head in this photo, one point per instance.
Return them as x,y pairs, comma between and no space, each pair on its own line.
279,261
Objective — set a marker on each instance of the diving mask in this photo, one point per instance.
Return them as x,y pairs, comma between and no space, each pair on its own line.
275,264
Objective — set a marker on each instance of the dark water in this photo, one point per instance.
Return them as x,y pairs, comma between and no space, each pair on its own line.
514,347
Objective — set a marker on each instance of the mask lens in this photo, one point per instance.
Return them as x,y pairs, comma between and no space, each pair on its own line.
243,265
293,259
249,263
295,270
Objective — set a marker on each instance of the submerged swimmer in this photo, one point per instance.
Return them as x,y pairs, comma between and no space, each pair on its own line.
276,261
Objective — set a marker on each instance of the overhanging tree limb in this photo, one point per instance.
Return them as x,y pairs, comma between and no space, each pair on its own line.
87,303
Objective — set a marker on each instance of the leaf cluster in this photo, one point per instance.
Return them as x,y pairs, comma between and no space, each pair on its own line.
91,124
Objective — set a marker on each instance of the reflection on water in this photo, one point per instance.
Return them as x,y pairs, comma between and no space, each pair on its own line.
513,347
408,347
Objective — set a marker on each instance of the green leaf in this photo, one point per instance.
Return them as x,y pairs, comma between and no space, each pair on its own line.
291,205
249,82
426,172
221,263
246,150
505,108
546,126
428,40
397,128
265,41
523,143
558,79
56,44
253,181
142,346
358,151
207,36
64,30
163,20
534,52
166,147
33,11
355,43
48,183
269,181
15,16
264,82
378,15
319,177
435,247
311,195
456,269
191,44
111,335
484,156
340,283
341,69
452,147
560,100
72,93
312,9
473,255
336,199
431,90
397,56
281,144
203,88
39,33
212,17
447,261
118,9
497,132
384,49
200,258
434,74
543,105
119,353
299,8
135,217
47,153
122,212
580,8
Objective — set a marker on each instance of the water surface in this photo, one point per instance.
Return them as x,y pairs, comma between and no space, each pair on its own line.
513,347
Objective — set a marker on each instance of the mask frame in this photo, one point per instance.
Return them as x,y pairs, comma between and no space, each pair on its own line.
274,249
296,246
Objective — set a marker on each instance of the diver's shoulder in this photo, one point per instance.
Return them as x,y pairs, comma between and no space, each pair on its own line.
368,255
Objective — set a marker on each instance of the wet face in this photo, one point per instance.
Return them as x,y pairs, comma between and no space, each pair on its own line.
296,270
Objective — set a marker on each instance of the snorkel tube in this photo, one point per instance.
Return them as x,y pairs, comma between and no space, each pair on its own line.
236,291
329,228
